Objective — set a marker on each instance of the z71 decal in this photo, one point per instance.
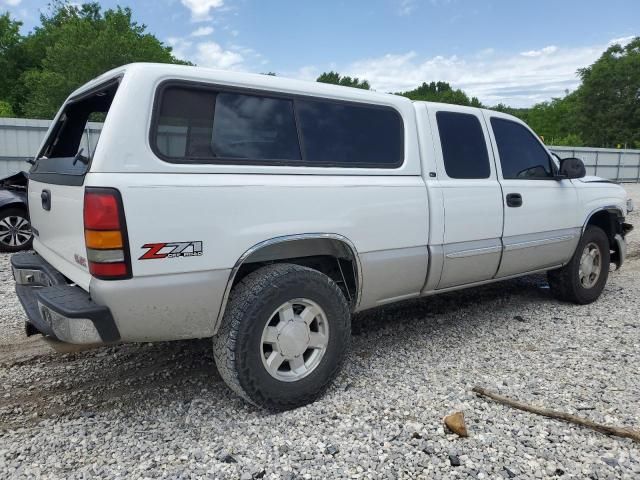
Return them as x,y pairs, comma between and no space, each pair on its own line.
157,251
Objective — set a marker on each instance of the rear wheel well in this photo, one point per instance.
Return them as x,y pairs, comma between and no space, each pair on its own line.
332,257
339,270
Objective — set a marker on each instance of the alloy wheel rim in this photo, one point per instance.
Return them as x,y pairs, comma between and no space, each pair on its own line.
294,340
15,231
590,265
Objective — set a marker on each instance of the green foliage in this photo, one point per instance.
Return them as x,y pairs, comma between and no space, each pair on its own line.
336,79
10,38
441,92
555,120
609,106
72,45
604,111
570,140
5,109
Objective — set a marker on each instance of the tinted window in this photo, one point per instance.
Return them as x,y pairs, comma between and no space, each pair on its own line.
185,123
521,154
464,149
203,124
350,135
247,126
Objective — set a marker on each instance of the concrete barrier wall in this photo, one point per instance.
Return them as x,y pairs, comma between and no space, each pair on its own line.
21,138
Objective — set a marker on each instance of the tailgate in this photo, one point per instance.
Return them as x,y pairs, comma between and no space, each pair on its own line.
59,230
57,178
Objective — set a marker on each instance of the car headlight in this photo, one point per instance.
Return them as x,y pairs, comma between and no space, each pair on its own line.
629,205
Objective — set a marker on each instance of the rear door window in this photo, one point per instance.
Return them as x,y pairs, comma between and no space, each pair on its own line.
67,152
464,149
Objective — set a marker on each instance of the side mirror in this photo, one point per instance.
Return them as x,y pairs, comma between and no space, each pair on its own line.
571,168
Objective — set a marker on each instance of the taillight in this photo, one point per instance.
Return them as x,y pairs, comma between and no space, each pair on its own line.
105,234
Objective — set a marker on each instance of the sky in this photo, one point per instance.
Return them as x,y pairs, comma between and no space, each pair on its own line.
517,52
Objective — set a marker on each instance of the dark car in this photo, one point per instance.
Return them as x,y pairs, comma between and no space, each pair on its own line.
15,229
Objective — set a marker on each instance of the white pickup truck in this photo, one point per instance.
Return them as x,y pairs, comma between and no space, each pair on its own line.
263,212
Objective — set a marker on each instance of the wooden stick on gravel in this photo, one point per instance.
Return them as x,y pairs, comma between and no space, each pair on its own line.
545,412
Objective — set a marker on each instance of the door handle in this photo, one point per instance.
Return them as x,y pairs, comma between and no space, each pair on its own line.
45,196
514,200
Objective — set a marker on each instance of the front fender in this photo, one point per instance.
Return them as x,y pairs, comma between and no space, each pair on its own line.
10,198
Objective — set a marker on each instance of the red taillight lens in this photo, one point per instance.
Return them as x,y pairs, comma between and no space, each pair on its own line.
108,270
101,210
104,223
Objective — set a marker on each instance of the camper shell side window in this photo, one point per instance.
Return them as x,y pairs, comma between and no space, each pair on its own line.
207,124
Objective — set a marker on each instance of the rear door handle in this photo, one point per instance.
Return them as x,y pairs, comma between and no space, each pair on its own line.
514,200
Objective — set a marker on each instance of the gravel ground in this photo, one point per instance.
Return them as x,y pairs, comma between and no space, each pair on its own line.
161,410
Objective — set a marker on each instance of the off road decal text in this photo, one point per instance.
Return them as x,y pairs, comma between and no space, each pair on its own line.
158,251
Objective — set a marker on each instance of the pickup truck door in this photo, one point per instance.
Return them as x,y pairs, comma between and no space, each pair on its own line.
541,225
467,181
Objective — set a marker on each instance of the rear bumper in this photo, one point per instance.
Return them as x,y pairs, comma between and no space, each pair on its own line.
58,309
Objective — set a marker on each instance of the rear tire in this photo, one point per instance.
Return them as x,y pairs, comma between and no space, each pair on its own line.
582,280
15,230
284,336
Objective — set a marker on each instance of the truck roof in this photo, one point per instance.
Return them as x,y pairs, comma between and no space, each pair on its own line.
261,81
161,71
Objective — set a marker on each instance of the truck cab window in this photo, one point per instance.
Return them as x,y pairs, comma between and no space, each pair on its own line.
521,154
464,149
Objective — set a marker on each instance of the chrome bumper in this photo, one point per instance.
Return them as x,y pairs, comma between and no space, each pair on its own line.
59,309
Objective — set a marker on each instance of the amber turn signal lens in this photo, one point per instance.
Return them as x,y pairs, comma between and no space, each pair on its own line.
103,239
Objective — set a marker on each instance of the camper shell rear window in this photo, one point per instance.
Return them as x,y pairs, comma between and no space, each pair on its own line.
66,155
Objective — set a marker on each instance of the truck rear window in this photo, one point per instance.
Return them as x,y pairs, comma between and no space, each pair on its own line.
197,124
464,149
67,152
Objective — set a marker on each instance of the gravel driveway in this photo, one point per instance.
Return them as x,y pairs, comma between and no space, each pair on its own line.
161,410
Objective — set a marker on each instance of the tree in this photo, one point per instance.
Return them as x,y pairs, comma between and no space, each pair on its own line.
556,120
10,39
441,92
5,109
336,79
603,111
72,45
608,109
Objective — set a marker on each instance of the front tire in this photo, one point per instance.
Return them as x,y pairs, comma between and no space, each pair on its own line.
284,336
582,280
